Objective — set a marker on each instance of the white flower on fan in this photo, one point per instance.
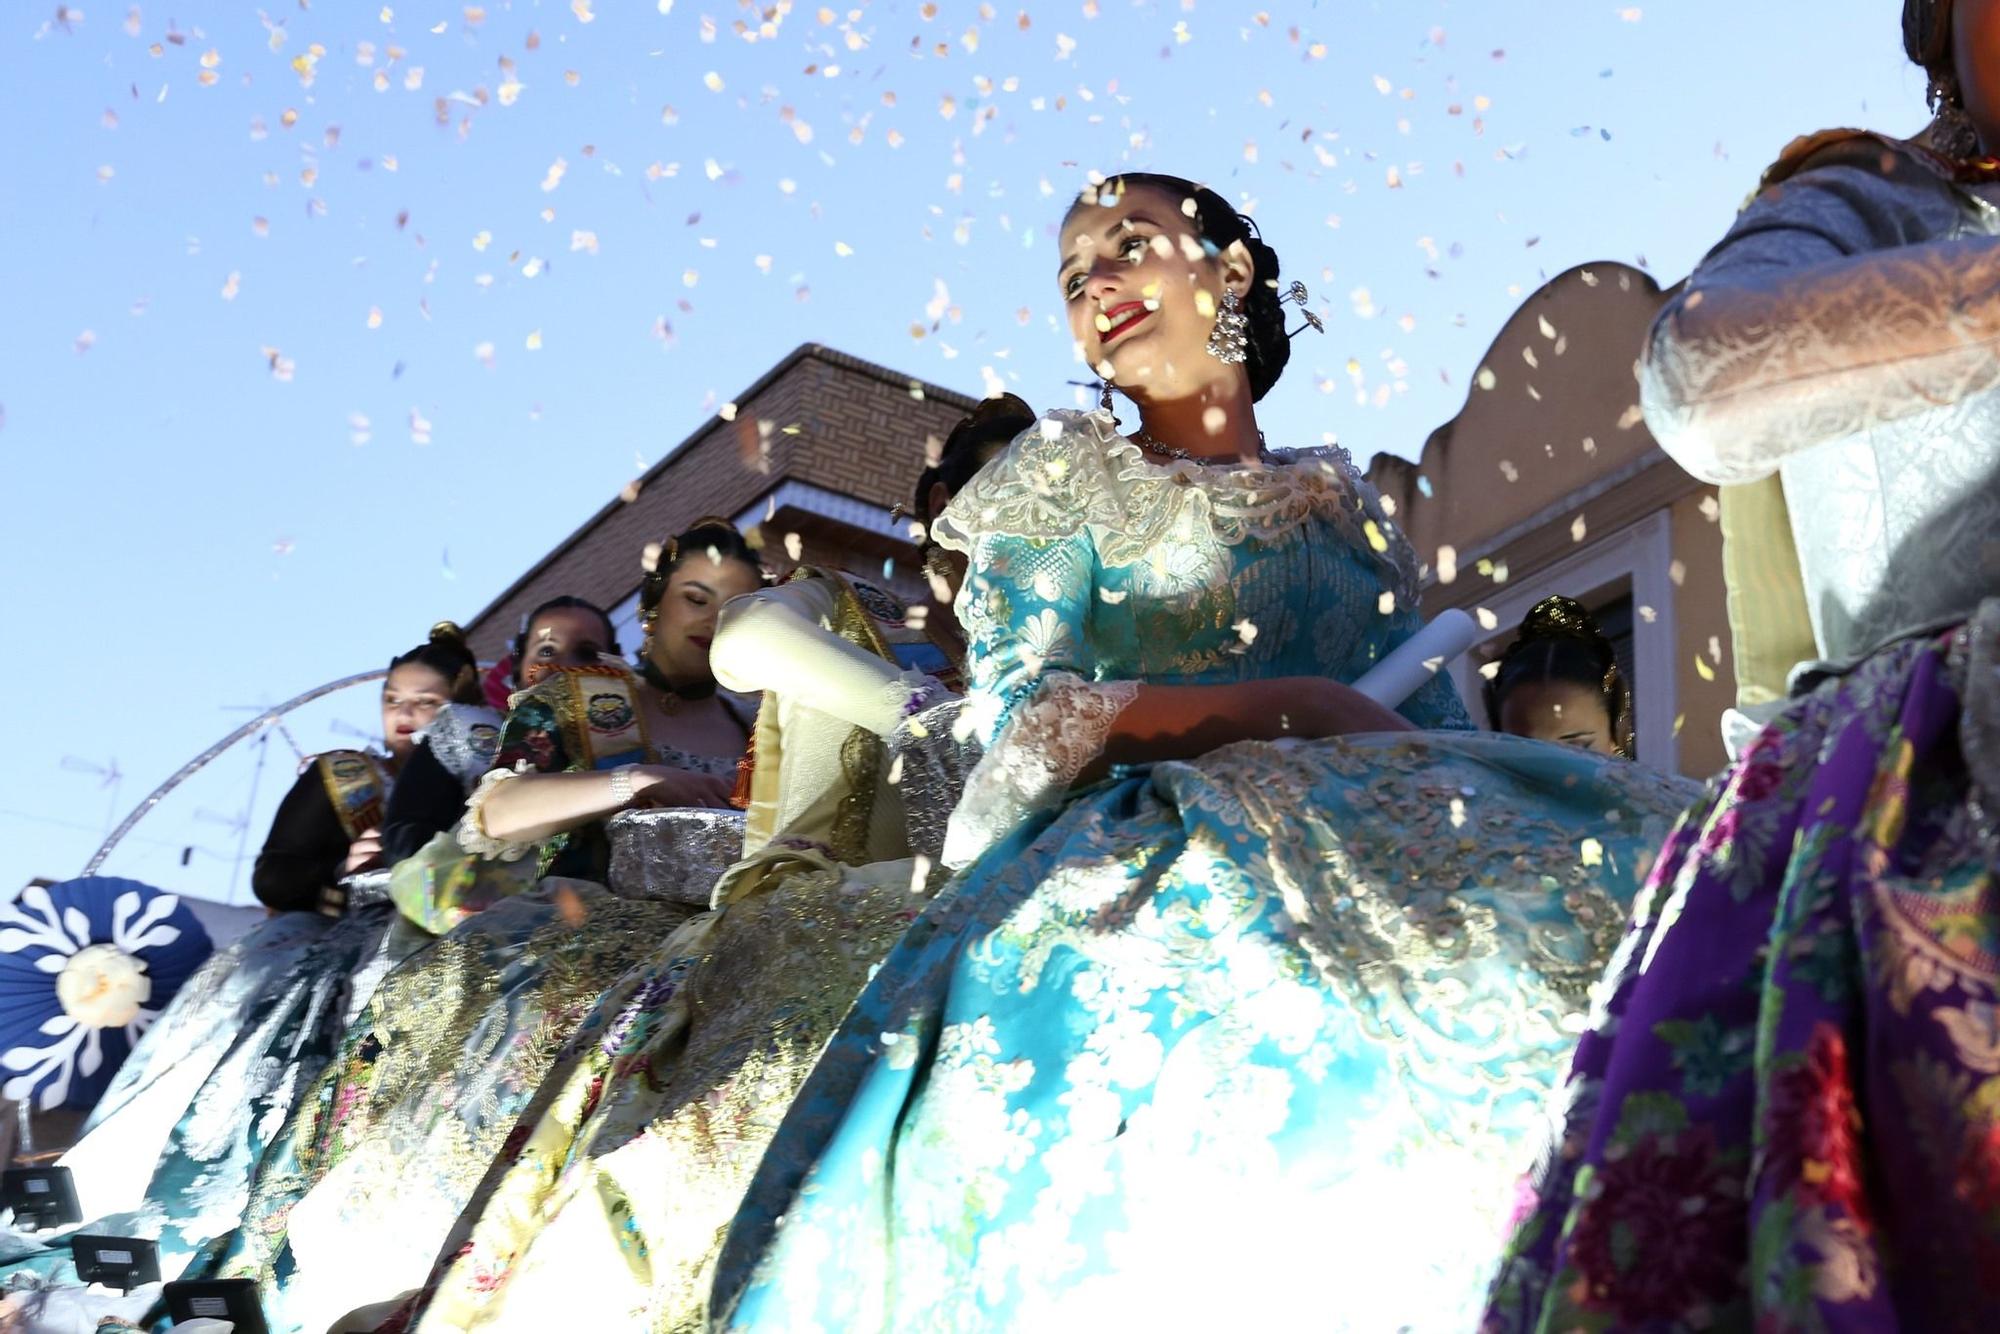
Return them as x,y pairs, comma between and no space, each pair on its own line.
103,987
99,984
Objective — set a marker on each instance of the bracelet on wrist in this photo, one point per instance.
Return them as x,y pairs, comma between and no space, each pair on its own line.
621,785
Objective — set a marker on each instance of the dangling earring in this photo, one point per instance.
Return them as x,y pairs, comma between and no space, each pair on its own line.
1952,131
1228,341
1104,399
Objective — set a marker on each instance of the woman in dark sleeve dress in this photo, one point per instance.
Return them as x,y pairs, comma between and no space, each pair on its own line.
326,827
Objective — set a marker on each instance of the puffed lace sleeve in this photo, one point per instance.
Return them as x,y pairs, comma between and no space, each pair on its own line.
1846,296
780,639
1035,700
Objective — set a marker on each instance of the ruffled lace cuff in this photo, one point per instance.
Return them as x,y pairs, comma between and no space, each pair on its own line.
1030,766
472,835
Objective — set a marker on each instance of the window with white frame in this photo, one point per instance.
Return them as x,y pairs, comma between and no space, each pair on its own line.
624,616
1623,580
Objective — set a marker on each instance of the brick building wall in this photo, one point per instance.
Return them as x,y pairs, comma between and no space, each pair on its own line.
818,416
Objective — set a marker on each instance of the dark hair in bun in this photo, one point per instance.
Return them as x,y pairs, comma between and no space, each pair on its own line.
1927,32
520,650
1219,225
1559,641
447,654
979,435
713,536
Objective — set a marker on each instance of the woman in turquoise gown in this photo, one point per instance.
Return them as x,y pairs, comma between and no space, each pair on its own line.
1248,997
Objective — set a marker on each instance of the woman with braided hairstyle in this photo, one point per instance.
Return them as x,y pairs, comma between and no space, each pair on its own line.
1559,681
1247,993
1786,1115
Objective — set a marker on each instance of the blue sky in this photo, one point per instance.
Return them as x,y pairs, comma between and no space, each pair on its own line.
321,324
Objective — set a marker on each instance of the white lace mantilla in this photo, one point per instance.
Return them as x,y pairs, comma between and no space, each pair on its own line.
1031,765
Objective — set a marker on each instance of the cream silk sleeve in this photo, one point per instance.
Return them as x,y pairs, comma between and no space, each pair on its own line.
778,639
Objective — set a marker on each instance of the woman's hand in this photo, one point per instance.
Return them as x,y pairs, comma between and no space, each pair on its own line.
658,785
364,853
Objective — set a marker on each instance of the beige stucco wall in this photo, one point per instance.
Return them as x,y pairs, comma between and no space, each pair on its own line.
1701,625
1561,410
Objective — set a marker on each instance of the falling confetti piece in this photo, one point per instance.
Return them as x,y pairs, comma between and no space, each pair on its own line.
1590,852
535,341
231,286
1702,669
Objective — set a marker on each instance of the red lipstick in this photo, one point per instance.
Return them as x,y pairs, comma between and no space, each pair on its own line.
1124,318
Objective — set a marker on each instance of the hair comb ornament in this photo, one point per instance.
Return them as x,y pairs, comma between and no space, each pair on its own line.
1297,292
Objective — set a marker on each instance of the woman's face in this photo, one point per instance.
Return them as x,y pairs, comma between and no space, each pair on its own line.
1141,292
411,697
685,626
562,637
1560,711
1975,53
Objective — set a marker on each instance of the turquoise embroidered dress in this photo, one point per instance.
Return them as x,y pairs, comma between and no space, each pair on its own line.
1257,1037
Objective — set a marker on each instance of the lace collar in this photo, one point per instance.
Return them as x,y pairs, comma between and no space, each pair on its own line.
1072,471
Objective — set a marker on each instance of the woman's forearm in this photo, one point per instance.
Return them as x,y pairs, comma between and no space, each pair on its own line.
1183,722
531,807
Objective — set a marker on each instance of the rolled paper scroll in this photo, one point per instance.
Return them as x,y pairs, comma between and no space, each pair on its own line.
1411,665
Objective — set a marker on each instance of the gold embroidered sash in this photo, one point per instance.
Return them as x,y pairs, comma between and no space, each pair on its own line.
358,787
